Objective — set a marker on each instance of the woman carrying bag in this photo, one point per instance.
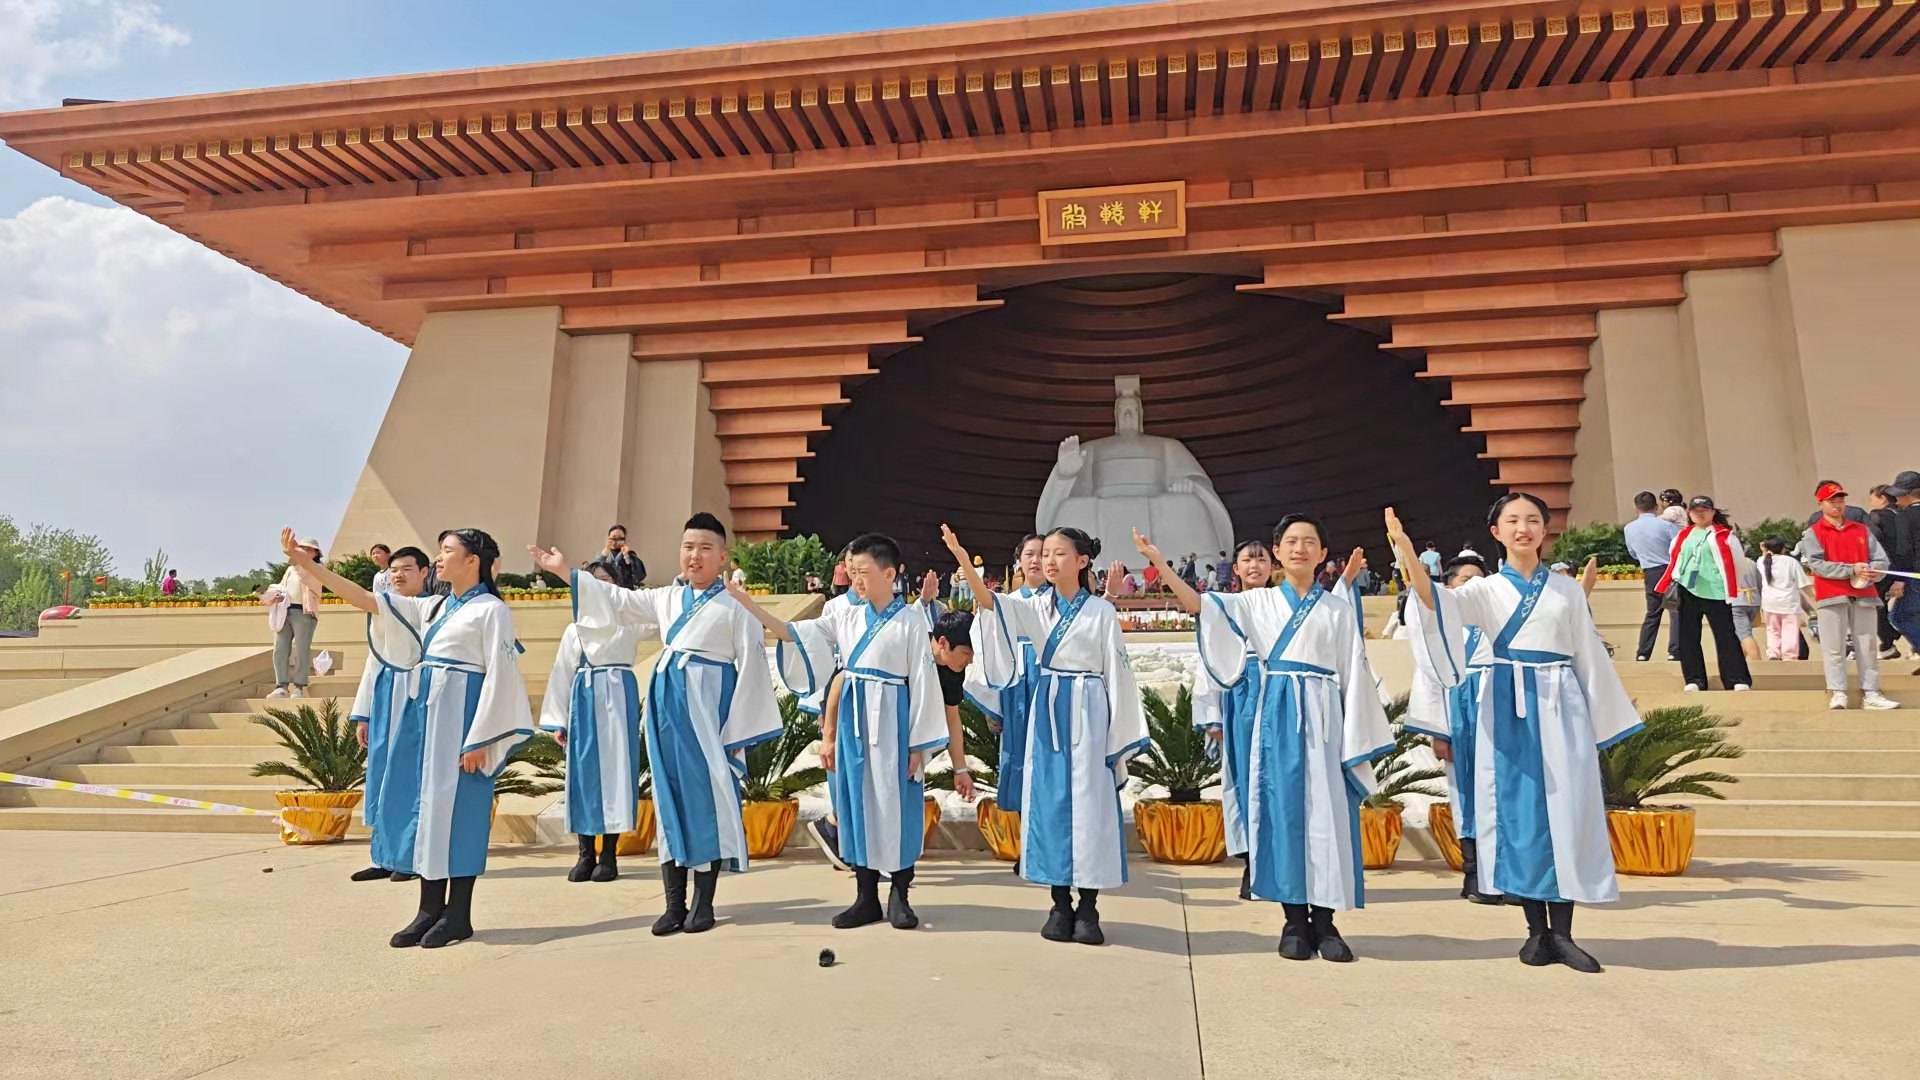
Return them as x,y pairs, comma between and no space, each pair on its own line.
1702,579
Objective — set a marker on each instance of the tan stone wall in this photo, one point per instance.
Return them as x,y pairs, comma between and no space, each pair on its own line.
595,469
1762,382
678,470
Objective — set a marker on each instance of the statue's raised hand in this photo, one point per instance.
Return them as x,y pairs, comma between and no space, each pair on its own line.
1072,457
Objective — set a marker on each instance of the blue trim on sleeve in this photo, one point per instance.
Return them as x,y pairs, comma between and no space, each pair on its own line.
1127,751
1436,733
1634,730
523,732
360,719
573,591
992,714
926,746
806,662
1368,756
754,741
1200,644
551,727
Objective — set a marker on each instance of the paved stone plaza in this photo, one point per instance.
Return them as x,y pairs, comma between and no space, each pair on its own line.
172,956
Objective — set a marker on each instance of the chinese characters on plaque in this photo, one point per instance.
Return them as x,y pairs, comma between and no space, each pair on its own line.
1126,212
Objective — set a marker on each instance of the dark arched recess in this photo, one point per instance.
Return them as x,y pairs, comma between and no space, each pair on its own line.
1285,410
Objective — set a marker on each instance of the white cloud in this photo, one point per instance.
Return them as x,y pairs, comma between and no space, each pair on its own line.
41,40
160,395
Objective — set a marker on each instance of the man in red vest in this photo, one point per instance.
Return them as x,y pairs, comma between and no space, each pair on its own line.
1845,560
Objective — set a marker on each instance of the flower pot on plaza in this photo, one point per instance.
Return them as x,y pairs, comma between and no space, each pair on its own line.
1651,841
640,840
933,821
1440,823
316,817
769,826
1185,833
1380,832
1000,829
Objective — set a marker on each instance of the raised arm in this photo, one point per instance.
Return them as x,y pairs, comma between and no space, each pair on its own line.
1115,571
1189,599
1409,560
777,627
982,596
320,577
1590,575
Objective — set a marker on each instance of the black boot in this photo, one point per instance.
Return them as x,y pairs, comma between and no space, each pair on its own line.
1296,939
899,912
1059,925
673,877
402,875
1086,919
583,866
371,873
1246,880
1560,932
456,923
1538,951
704,883
433,902
1470,873
866,901
1326,937
608,867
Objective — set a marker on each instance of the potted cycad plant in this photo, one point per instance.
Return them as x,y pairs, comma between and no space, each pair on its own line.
1659,761
327,759
767,791
1183,827
983,745
1396,777
640,840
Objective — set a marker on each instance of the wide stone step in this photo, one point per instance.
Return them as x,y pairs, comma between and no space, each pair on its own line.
1811,737
1855,814
143,777
245,735
1731,703
1827,786
222,721
1806,845
1856,762
1824,720
133,819
191,755
255,796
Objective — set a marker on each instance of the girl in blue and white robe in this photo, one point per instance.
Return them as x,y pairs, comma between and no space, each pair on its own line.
890,708
386,686
593,704
1317,724
1006,706
1550,700
709,699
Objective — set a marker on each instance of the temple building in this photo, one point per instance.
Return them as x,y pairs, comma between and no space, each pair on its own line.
1351,253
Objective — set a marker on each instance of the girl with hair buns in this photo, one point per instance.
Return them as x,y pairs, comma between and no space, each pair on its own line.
1549,700
1084,721
468,713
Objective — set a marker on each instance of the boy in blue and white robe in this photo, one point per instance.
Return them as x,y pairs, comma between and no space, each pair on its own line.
709,699
1550,700
593,704
1319,723
433,817
386,686
889,717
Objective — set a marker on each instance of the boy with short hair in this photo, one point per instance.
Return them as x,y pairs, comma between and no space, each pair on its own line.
888,718
1844,560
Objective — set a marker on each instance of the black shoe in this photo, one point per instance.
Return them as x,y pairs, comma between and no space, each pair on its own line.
402,875
1086,921
583,866
1246,881
899,911
415,930
1327,940
1059,925
1490,899
1537,952
826,836
866,908
447,930
608,867
1296,943
371,873
1575,957
673,877
704,882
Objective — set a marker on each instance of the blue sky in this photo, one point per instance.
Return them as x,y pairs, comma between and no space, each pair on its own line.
120,336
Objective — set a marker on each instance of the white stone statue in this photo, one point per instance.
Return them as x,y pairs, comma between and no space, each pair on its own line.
1129,480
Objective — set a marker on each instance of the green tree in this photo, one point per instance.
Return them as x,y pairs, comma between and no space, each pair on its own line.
153,571
31,593
1602,538
249,581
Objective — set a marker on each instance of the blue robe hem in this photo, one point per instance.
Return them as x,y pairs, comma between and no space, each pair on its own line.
926,746
1368,756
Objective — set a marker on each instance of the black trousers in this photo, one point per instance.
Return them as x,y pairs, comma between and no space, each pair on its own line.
1889,637
1726,643
1650,626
